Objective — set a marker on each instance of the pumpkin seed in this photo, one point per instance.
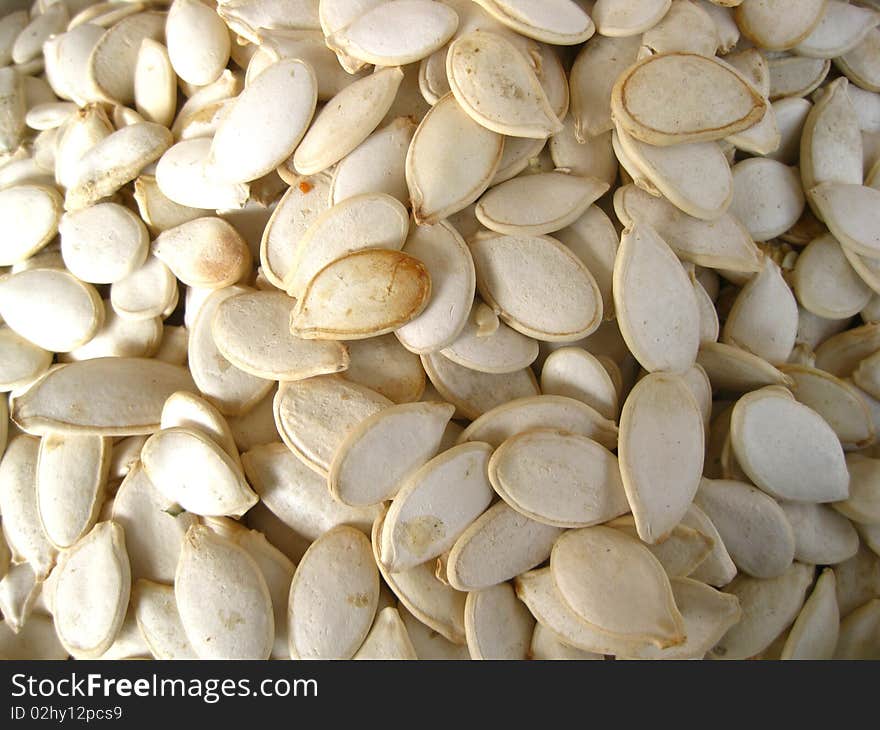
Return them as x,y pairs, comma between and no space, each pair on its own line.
363,222
813,469
92,590
416,528
767,197
859,63
239,152
155,83
314,416
779,24
722,102
656,414
383,365
33,212
198,41
149,291
347,603
103,243
841,354
388,638
863,503
184,177
36,640
468,154
841,28
594,157
29,41
357,478
431,601
546,646
769,606
636,604
628,19
796,76
504,351
560,22
821,535
497,624
476,64
346,121
826,283
237,625
23,362
538,204
858,632
158,619
846,210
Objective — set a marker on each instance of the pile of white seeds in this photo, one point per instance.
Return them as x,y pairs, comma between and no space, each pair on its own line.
416,329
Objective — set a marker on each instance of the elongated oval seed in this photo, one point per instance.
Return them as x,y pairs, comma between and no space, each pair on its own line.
538,204
549,295
787,449
396,33
779,24
239,151
453,281
848,210
157,617
194,472
558,21
366,221
91,591
826,283
650,104
468,154
542,411
51,308
497,624
71,475
360,476
661,337
347,120
222,597
495,85
434,505
22,361
362,294
821,535
198,41
754,527
18,500
558,478
336,586
814,634
661,452
626,594
32,213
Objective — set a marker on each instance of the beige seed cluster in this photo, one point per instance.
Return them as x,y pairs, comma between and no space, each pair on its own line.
440,329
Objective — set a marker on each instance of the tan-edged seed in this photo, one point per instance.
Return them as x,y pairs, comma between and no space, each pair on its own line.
779,24
184,177
660,424
626,594
336,585
472,392
434,505
385,366
239,151
560,22
497,87
685,27
682,552
839,403
18,500
769,606
347,120
841,353
614,19
362,294
497,624
467,154
841,28
193,471
359,476
222,598
91,591
558,478
755,530
651,105
863,503
826,283
551,295
767,197
84,397
801,460
538,204
70,479
594,157
858,633
371,220
661,337
297,495
315,415
430,600
848,211
694,176
859,64
388,639
499,545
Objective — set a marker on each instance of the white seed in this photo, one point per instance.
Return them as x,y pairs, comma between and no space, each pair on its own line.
801,461
863,503
468,154
841,28
183,176
825,282
860,63
155,83
336,586
92,590
561,22
198,41
383,365
779,24
821,535
858,633
158,619
497,624
222,597
149,291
